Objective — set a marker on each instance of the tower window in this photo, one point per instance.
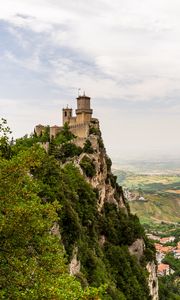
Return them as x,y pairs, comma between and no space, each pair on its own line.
65,114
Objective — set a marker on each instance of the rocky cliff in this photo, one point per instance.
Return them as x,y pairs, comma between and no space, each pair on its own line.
153,280
104,182
104,243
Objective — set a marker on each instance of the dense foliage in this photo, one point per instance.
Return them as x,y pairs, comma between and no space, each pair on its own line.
32,259
82,226
38,190
88,166
169,288
5,149
170,285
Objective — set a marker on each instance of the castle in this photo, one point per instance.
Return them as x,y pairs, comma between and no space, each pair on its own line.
78,124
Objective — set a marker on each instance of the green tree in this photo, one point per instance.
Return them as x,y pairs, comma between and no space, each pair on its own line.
88,166
5,149
65,135
88,147
32,259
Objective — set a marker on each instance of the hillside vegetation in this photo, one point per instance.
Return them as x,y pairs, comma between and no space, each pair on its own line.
49,213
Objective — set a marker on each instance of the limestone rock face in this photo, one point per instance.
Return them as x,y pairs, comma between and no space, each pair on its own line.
105,183
55,230
137,248
75,265
153,280
104,180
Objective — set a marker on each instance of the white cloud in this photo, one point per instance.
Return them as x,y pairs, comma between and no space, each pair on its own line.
31,63
130,49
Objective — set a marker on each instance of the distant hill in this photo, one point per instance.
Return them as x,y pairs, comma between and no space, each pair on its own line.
152,166
161,193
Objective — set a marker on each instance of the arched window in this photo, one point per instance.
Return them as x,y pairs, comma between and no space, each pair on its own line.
65,114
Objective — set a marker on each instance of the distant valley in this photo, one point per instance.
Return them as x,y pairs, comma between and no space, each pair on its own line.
152,189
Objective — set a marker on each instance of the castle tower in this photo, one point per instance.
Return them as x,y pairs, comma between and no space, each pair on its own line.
67,114
39,129
83,111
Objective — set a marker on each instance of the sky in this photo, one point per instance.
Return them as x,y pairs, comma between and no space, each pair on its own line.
124,54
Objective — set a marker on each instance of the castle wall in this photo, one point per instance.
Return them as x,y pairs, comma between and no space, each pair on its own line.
39,129
80,130
83,118
72,121
54,130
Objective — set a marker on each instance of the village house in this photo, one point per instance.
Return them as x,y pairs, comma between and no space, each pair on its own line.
153,237
159,256
176,253
168,239
163,249
164,270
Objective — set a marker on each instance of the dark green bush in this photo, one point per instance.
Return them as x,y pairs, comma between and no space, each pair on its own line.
100,142
108,163
88,166
119,228
129,276
65,135
88,147
66,151
150,252
169,288
113,179
94,130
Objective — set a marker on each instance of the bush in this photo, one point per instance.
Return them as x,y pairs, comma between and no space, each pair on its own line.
113,179
65,135
94,130
130,278
119,228
108,163
66,151
149,252
88,147
88,167
100,142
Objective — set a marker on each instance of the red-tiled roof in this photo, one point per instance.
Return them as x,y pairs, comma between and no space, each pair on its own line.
163,267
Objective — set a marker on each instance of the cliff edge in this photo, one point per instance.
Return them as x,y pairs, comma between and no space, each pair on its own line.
101,178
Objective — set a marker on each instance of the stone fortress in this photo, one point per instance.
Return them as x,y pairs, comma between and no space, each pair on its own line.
78,124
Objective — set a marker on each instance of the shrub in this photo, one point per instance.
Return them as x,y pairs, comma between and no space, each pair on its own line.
94,130
149,252
108,163
129,276
88,167
66,151
100,142
88,147
113,179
